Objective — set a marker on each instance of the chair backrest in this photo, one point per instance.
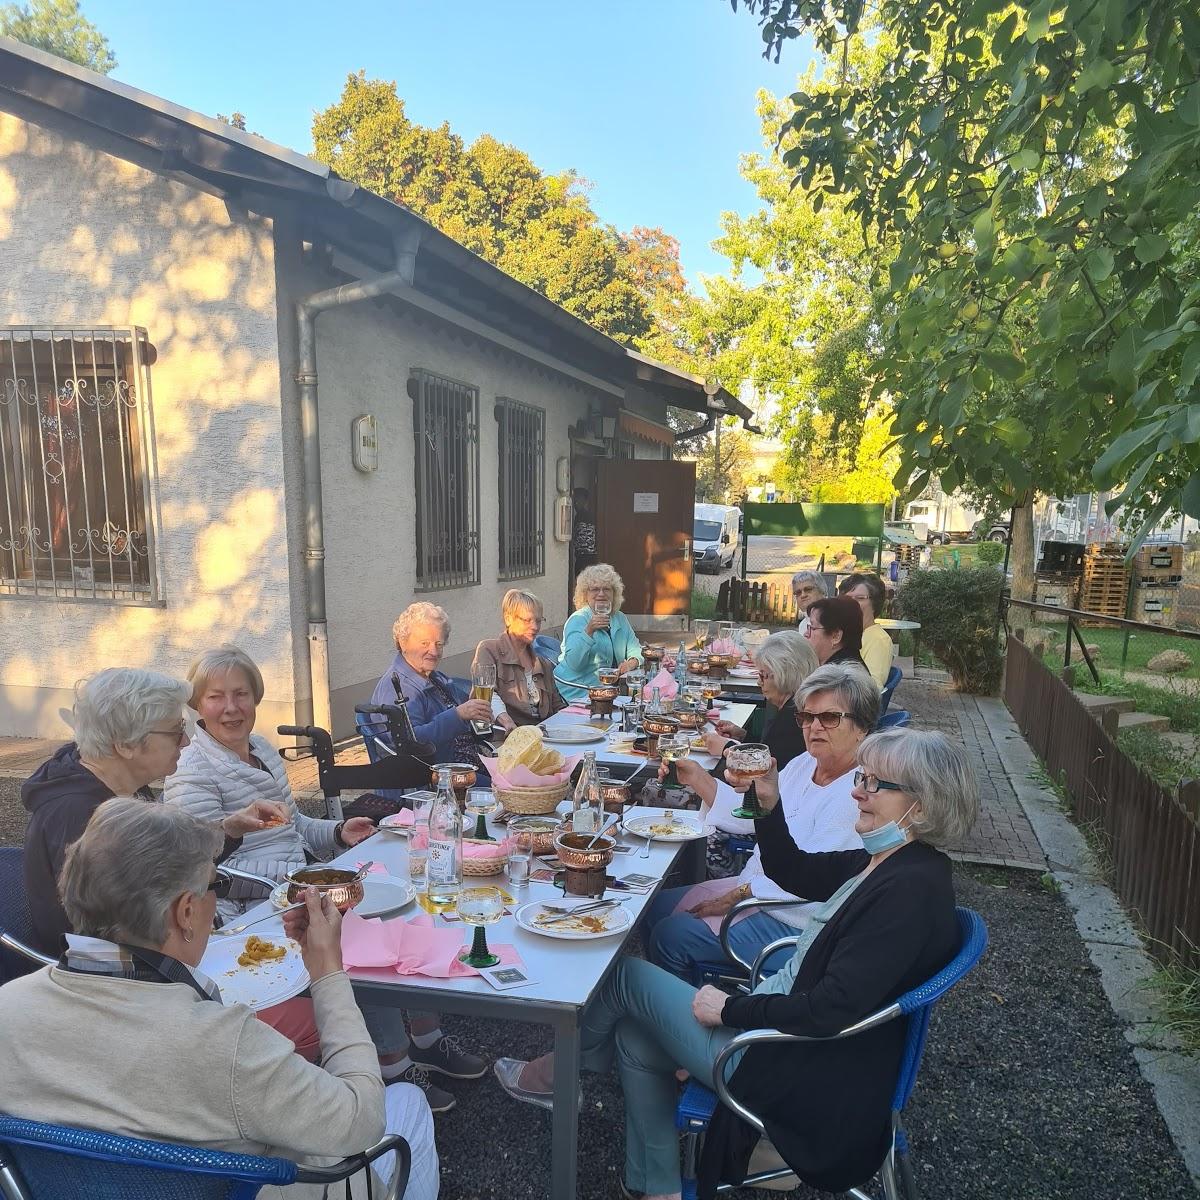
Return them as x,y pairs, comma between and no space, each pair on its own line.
54,1162
369,728
14,912
893,720
918,1003
547,647
889,687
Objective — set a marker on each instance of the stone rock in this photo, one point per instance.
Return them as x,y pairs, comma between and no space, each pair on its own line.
1092,649
1170,662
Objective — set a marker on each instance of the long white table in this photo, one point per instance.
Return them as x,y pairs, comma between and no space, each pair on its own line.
566,974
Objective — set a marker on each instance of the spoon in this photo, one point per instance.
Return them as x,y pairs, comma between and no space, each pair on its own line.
225,930
609,822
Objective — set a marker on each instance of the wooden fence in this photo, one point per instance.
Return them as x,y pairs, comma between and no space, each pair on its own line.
759,603
1153,835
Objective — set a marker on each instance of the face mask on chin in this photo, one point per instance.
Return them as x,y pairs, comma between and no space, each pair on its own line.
886,837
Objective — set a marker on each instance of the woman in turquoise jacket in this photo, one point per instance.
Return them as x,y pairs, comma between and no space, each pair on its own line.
591,641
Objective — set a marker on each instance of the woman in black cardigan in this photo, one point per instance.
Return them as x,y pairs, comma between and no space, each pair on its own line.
888,925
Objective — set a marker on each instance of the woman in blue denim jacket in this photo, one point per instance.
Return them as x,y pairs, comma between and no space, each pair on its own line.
593,640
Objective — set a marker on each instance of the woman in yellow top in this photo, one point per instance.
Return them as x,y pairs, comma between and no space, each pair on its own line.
867,592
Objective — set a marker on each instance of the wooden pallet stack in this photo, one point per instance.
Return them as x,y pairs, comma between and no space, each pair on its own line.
1159,571
1105,589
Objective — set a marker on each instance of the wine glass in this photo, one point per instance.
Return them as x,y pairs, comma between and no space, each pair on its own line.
699,633
750,760
602,608
671,749
483,684
480,907
481,803
608,676
634,682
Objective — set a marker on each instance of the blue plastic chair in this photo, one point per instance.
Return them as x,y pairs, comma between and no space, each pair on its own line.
893,720
698,1103
55,1162
547,647
17,956
893,682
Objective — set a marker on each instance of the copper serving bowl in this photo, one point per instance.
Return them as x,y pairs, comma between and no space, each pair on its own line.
698,666
462,775
615,795
690,718
659,724
344,888
602,691
573,856
722,661
652,654
543,831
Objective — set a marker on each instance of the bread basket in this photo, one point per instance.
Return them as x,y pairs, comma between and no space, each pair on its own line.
480,865
533,801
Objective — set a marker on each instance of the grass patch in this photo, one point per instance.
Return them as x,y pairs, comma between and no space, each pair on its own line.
949,556
704,601
1165,762
1116,652
1176,987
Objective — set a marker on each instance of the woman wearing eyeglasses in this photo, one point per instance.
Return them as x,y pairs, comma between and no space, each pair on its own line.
836,707
129,731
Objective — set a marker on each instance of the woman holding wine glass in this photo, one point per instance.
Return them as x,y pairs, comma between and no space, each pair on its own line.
523,679
597,634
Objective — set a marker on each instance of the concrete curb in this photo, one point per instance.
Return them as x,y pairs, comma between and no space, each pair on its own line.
1112,940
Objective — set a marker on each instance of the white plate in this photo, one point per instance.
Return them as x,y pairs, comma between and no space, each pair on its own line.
392,825
573,735
743,673
618,920
688,828
259,986
383,895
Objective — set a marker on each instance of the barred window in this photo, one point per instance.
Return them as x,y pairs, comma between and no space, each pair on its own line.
521,475
446,427
74,502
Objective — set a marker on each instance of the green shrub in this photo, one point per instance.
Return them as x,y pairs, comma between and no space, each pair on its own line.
990,553
958,609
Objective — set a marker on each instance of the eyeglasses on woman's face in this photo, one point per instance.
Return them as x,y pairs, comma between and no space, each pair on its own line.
827,720
177,734
872,783
220,884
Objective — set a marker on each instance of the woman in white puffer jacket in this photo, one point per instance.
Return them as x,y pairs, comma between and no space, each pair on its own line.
228,765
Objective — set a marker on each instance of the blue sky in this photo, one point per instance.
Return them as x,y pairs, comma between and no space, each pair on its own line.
652,100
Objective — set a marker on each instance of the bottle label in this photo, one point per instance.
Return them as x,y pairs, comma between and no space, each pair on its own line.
441,859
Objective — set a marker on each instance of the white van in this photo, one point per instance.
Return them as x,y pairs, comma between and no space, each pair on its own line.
715,536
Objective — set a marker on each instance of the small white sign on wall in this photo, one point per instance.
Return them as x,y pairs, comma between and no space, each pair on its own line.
645,502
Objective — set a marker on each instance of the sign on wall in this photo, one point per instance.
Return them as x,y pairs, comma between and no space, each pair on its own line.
645,502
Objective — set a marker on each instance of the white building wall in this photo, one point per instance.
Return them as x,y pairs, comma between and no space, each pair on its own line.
364,356
86,237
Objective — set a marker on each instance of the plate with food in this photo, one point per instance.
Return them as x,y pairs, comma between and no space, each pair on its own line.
383,895
667,827
255,969
551,922
573,735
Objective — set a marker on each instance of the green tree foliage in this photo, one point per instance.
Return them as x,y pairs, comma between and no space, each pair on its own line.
58,27
494,199
822,470
1039,166
724,466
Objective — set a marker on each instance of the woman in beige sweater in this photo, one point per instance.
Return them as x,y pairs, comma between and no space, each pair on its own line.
125,1033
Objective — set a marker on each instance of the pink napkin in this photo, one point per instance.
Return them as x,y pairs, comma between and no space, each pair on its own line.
577,710
470,849
522,776
724,646
713,714
667,687
413,947
405,817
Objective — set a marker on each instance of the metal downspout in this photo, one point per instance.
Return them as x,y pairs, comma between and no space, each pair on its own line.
406,245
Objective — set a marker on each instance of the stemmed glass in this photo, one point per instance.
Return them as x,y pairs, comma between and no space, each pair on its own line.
481,803
750,760
483,684
671,749
480,907
602,608
699,633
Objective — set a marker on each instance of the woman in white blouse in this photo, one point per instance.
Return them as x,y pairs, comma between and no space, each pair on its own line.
837,706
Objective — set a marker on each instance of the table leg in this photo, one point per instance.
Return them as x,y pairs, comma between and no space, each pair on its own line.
564,1142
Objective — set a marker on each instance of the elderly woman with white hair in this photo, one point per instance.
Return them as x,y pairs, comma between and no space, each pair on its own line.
524,680
597,634
440,708
885,923
807,586
126,1031
129,730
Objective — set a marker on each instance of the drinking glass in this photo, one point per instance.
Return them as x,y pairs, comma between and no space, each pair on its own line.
602,608
608,675
671,749
634,682
480,907
724,631
418,856
483,685
700,633
520,852
481,803
752,760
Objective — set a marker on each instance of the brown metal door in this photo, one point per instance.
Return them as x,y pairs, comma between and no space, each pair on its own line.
644,520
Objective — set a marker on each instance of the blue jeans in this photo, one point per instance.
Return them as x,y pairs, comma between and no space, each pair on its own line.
678,941
643,1018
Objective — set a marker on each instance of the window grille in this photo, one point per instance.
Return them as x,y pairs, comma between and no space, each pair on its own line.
446,426
521,475
75,510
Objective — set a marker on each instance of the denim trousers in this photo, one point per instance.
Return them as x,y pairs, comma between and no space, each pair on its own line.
677,941
642,1018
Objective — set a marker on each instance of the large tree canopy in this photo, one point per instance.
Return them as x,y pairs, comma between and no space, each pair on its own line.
1040,167
494,199
58,27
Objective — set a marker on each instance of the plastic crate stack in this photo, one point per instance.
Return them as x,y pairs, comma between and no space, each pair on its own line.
1159,572
1057,579
1106,578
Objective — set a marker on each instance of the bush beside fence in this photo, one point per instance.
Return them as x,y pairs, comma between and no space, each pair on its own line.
1153,835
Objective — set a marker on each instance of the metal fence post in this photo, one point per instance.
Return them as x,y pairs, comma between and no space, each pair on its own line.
1067,648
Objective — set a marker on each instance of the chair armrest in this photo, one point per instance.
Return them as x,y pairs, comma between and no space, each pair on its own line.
269,884
765,953
742,906
761,1037
359,1162
19,947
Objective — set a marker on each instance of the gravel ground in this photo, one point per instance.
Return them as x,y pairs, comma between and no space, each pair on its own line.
1028,1089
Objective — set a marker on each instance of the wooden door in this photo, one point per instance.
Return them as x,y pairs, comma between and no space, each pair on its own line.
644,520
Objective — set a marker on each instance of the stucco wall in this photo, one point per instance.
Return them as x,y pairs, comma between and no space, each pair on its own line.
86,237
364,356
